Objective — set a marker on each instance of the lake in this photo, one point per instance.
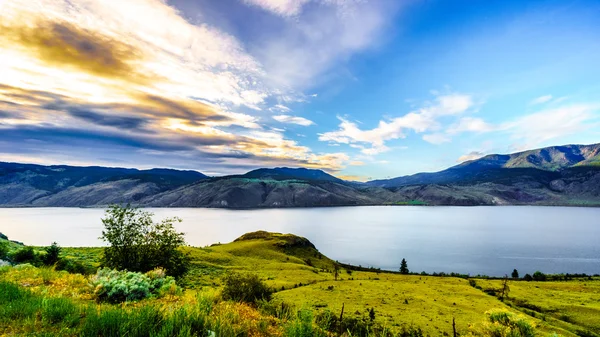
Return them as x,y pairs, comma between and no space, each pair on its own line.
469,240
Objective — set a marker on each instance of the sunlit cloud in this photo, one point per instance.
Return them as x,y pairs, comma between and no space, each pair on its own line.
137,81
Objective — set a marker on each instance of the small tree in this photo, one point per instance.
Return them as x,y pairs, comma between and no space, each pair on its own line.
336,270
52,254
528,277
505,289
404,267
139,244
515,274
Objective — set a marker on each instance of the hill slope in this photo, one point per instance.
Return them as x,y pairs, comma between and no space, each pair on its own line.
37,185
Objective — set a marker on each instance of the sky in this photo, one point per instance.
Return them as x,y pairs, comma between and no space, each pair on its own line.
361,89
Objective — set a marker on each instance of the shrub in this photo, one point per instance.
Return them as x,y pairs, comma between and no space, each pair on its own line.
528,277
245,288
119,286
139,244
502,323
52,254
25,255
74,267
3,250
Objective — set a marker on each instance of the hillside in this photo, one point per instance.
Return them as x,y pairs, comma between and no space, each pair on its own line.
252,193
559,175
60,185
305,285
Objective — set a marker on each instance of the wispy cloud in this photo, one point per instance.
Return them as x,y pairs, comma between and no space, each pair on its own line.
538,128
541,100
421,120
293,120
285,8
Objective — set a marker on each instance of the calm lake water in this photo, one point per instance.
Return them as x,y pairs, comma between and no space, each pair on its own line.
470,240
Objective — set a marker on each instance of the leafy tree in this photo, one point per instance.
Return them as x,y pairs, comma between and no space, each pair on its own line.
139,244
404,267
336,270
539,276
515,274
245,288
528,277
52,254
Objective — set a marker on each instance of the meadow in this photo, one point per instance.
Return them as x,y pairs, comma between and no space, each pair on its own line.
311,292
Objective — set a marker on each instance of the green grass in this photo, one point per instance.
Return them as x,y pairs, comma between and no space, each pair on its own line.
46,301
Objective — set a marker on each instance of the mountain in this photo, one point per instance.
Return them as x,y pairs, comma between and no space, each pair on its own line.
61,185
494,167
286,173
559,175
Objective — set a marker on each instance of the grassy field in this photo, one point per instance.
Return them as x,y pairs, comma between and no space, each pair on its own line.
305,279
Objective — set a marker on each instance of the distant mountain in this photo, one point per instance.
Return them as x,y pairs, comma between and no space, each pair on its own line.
494,167
286,173
559,175
60,185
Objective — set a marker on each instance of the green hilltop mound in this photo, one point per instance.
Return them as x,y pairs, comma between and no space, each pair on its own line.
284,240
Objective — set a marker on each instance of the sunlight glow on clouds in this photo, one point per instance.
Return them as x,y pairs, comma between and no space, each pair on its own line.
97,67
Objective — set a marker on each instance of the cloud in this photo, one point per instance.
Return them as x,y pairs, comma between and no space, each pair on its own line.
317,38
470,156
91,70
421,120
62,44
280,108
470,124
285,8
436,138
293,120
540,127
541,100
121,122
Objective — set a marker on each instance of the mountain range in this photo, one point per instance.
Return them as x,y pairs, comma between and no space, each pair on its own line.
558,175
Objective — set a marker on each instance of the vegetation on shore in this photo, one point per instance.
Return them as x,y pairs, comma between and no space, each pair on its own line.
270,284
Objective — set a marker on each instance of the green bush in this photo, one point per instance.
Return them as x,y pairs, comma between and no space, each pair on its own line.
245,288
26,255
74,267
119,286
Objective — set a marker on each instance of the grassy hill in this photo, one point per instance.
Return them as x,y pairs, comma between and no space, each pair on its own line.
305,280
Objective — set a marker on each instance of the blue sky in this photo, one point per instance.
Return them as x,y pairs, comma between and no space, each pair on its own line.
362,89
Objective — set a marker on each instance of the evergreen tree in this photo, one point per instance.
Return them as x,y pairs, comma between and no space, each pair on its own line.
515,274
403,267
52,254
